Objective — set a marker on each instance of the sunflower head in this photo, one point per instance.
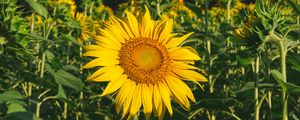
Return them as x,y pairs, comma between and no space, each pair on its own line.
144,64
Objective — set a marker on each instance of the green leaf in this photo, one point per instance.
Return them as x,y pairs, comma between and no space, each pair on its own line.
71,68
39,8
21,116
250,86
67,79
69,38
10,95
195,9
49,55
292,88
14,107
61,92
294,59
278,77
244,61
295,6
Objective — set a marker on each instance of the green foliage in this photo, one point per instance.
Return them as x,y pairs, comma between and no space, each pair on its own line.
41,75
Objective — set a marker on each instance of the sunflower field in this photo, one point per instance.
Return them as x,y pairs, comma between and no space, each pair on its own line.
149,59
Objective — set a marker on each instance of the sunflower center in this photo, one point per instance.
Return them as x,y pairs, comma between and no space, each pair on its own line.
144,60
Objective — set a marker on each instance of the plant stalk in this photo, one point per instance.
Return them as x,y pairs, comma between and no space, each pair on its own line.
283,49
256,77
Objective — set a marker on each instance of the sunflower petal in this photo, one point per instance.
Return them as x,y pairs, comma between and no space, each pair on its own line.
114,85
133,23
182,65
166,32
104,53
184,53
129,98
174,42
136,100
111,74
101,62
165,95
146,98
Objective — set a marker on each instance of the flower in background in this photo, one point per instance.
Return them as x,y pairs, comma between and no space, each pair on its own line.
177,10
144,64
70,3
86,23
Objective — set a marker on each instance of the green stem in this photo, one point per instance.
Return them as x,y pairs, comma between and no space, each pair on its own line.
256,71
65,111
283,49
38,107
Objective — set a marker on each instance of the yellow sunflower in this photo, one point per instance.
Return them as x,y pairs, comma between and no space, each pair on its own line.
85,24
144,64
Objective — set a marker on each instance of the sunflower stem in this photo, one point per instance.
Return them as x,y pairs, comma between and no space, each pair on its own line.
65,111
283,49
256,78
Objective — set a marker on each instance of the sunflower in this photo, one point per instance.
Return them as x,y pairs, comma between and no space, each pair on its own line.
144,64
86,23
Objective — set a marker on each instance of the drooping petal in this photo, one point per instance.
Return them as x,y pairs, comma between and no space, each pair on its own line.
136,100
128,102
157,101
165,95
147,100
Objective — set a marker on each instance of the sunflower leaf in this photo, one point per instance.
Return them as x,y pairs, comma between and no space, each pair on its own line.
39,8
67,79
278,77
10,95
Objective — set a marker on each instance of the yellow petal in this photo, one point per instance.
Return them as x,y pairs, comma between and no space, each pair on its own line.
157,29
147,100
129,97
99,72
157,100
115,85
147,23
133,23
190,74
116,33
166,32
165,95
179,91
126,28
104,53
118,26
93,47
182,65
111,74
107,43
174,42
136,100
108,36
184,53
101,62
